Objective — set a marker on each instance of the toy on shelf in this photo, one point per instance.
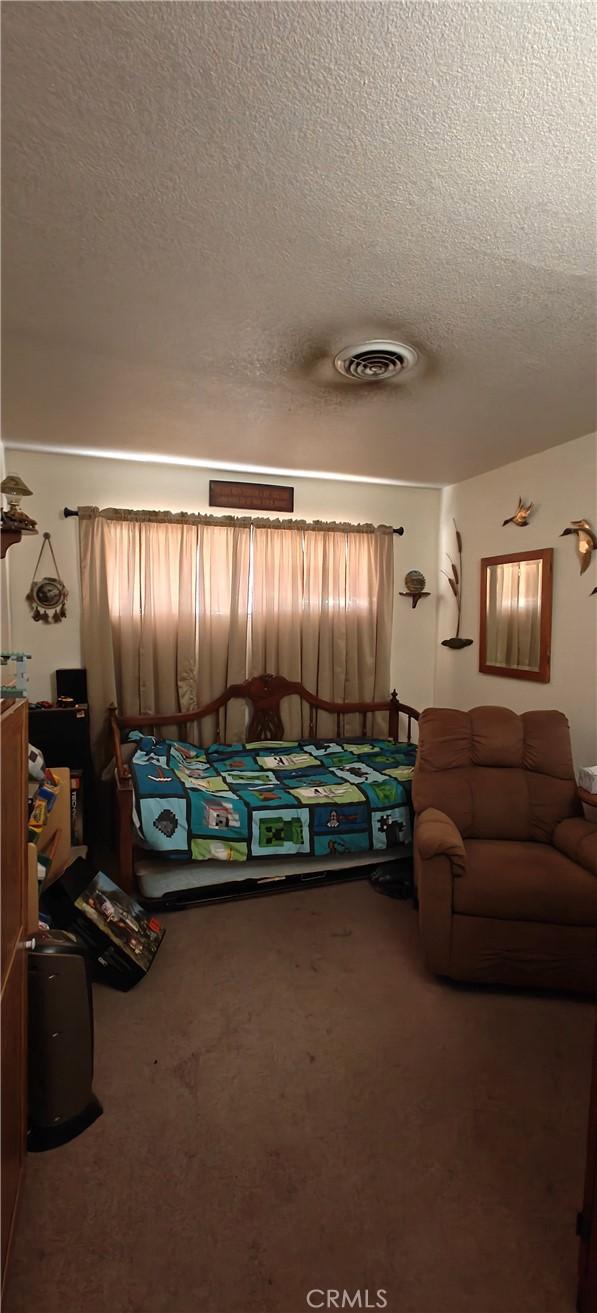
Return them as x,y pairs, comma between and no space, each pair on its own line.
42,804
17,688
35,765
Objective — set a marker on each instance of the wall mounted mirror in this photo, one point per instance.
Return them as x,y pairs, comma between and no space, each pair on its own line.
515,624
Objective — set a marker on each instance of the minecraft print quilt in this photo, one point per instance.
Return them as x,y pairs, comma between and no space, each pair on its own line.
237,801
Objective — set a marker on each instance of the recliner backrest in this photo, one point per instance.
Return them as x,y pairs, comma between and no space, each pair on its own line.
496,774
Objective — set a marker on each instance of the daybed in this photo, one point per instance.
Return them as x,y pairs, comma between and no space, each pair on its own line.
318,806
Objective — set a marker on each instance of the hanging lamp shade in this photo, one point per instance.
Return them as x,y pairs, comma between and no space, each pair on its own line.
14,486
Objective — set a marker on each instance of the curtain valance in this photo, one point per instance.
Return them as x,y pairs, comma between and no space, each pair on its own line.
227,521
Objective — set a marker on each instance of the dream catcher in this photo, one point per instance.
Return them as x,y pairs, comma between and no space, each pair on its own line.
47,596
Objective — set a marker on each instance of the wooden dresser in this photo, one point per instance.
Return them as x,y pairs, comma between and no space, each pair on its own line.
13,1006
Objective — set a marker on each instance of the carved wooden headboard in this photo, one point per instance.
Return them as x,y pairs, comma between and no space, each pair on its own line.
264,693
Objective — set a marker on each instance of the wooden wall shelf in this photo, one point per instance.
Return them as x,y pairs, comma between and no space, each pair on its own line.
11,536
414,597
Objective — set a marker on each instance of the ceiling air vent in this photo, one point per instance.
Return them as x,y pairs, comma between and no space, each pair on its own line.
374,362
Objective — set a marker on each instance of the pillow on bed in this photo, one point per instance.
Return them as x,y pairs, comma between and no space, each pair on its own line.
146,745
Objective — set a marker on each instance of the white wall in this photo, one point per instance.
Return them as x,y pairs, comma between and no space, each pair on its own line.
58,481
562,482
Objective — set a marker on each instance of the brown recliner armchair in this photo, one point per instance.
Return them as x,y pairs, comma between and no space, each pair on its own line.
505,864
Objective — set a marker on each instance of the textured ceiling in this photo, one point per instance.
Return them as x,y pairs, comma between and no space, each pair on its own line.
203,201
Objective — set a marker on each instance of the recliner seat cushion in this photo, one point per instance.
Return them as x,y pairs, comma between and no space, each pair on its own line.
514,881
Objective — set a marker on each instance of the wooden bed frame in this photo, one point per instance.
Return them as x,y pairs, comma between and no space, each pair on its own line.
264,694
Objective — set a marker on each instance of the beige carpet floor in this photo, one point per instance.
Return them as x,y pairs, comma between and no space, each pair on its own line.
293,1104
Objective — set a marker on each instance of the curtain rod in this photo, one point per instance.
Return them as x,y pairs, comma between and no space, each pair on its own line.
68,515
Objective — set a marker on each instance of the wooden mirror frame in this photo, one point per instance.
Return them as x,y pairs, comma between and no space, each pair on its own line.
542,675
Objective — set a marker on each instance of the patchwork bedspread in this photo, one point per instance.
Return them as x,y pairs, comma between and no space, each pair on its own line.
231,802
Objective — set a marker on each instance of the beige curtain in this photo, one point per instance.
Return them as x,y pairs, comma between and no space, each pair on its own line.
513,630
321,613
176,607
220,653
164,615
276,612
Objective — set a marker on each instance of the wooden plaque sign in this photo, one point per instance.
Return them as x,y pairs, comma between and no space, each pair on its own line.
250,496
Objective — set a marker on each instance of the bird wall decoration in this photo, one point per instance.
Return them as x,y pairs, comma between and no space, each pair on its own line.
586,541
521,514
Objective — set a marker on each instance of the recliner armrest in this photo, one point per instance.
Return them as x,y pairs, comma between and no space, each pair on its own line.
577,839
437,836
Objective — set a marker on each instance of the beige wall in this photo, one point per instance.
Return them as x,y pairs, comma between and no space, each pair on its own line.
563,484
58,480
5,627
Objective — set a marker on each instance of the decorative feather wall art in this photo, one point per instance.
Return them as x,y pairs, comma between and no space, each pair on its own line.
454,577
